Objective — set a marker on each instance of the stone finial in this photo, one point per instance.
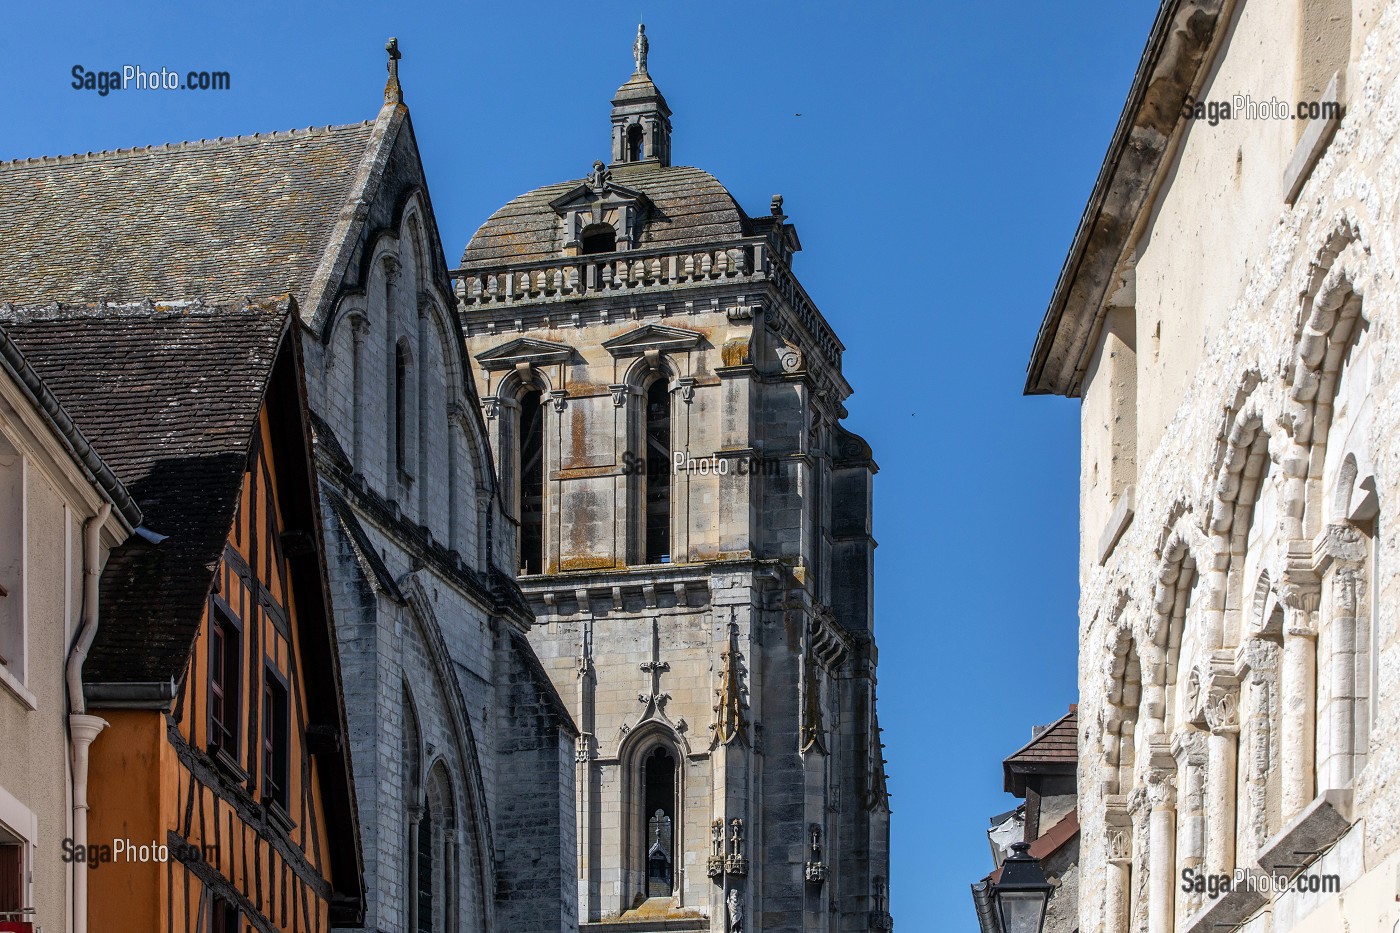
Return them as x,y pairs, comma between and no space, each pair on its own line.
393,93
639,49
775,206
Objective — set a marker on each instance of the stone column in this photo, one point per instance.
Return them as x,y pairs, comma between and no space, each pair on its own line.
1118,877
1339,754
1298,683
1222,716
1189,747
1161,859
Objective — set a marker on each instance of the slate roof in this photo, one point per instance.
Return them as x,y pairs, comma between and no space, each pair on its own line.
171,396
222,219
689,208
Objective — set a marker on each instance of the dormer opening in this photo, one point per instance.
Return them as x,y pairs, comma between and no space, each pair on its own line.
598,238
635,146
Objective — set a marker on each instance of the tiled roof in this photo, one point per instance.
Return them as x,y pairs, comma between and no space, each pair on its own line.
1053,750
170,396
221,219
17,368
1058,741
689,208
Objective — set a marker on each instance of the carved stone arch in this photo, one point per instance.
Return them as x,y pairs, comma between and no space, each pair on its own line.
414,749
521,379
1262,603
1253,442
644,367
349,311
1332,319
411,230
1184,555
475,822
1122,672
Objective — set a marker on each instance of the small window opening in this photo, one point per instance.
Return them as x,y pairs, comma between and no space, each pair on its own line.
276,740
635,147
599,238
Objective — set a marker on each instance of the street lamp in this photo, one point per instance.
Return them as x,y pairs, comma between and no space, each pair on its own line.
1022,893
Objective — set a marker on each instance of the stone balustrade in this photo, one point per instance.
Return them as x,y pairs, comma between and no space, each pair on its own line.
632,271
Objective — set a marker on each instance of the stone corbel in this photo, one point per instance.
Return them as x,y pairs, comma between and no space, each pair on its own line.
491,405
619,392
687,386
1340,542
559,398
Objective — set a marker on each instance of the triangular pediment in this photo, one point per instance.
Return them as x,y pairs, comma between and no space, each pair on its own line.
525,350
586,195
653,337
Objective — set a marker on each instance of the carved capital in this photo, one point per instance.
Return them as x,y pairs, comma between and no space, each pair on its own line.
1189,746
558,397
1223,713
1161,789
619,392
491,406
1120,845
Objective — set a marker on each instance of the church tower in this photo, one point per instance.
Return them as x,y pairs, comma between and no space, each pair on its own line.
664,403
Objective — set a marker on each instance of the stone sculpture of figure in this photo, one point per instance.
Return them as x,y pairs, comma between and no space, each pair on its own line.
639,49
736,912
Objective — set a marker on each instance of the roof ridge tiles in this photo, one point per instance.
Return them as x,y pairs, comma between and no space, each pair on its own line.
185,144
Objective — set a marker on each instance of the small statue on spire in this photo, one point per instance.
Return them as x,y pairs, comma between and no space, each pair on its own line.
639,49
393,93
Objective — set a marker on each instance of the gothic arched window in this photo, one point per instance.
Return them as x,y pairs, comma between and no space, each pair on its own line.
635,146
658,473
659,812
530,463
436,857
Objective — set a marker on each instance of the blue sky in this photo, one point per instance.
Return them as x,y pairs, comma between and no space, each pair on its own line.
942,158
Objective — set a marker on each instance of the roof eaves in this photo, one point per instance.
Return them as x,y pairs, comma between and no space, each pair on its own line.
1178,51
58,418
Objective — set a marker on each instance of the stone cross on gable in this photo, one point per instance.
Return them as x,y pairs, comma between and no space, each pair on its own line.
393,93
654,700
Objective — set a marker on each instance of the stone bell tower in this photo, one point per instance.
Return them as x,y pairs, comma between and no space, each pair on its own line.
694,537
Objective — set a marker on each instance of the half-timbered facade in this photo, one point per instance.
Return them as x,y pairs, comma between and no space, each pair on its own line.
221,797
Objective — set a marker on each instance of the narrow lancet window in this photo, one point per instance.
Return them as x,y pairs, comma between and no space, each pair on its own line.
658,461
531,461
658,808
